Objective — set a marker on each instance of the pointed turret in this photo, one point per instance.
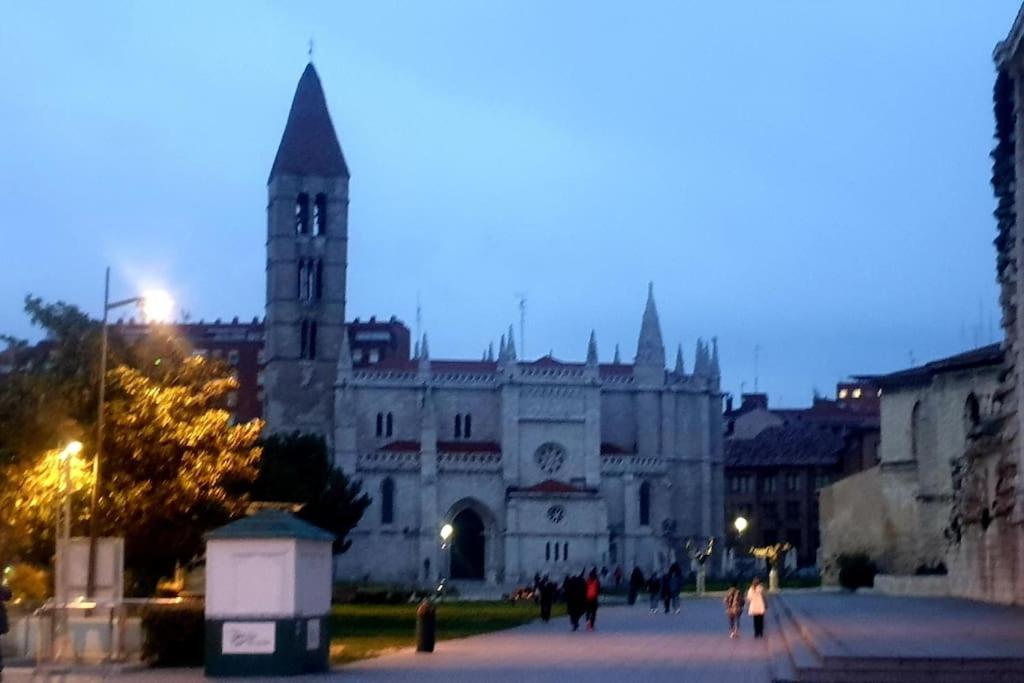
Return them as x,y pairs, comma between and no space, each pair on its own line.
700,360
416,350
490,352
618,357
344,358
592,349
502,348
510,350
424,358
309,145
715,369
680,369
649,349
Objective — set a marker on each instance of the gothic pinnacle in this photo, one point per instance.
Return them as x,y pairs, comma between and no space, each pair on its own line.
592,349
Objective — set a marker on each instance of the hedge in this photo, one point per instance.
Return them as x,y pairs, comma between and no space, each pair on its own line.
173,634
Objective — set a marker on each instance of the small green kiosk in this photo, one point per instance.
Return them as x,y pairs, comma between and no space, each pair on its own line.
268,597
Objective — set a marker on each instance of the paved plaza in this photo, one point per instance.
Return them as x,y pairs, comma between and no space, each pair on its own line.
631,644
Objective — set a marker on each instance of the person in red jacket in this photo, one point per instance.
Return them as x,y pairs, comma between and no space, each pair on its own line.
593,591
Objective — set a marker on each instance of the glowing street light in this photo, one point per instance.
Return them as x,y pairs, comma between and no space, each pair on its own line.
740,524
157,306
71,450
446,532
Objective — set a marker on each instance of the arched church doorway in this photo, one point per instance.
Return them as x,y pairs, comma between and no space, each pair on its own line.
467,546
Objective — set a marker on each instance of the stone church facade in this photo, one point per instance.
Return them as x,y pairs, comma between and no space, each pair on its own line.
539,465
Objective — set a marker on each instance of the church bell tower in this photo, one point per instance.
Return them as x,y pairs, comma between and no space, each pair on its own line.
307,258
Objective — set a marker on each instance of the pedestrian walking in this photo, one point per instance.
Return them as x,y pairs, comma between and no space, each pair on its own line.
756,606
666,590
636,584
5,595
575,598
675,586
654,590
547,596
734,609
593,591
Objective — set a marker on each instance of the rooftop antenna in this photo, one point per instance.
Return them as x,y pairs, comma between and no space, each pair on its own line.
310,50
757,359
522,324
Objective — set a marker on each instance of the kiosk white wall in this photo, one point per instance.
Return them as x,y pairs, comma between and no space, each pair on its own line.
268,596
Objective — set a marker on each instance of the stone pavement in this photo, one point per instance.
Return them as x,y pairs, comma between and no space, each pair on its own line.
630,644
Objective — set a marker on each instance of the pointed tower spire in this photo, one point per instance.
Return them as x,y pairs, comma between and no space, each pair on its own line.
502,348
715,369
424,349
700,359
416,350
650,350
424,358
592,349
344,357
309,145
510,350
679,360
618,357
490,351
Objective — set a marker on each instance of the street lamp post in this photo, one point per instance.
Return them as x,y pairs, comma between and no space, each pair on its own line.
157,306
447,530
62,647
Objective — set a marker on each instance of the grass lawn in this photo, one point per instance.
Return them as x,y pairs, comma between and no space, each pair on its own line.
362,631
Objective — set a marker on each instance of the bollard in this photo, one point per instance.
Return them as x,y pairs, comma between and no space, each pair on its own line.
426,626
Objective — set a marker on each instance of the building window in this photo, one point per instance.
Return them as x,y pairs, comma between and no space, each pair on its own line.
307,339
645,504
792,482
467,430
302,214
233,356
318,288
374,356
320,214
556,551
387,501
357,355
822,480
310,276
565,551
390,427
458,426
463,426
380,424
768,484
547,551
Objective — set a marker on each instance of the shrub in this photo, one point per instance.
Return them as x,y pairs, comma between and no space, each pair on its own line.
856,570
938,569
30,585
173,634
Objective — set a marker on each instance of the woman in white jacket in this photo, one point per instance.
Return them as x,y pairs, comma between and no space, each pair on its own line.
756,606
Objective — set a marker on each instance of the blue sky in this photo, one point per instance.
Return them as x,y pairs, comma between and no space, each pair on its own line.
809,177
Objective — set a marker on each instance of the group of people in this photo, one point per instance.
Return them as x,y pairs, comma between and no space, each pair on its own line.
581,593
756,607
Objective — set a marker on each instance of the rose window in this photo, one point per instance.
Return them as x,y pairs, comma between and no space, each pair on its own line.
556,513
550,457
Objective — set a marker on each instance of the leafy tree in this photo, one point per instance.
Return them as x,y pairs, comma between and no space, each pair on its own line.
173,464
296,468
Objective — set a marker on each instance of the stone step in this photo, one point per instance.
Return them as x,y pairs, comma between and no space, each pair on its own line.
806,641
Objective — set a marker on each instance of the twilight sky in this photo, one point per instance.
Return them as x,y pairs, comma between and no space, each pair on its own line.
810,177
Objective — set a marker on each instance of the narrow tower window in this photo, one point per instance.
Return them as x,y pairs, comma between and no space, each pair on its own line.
320,215
565,551
312,339
319,280
304,339
302,280
302,214
458,426
380,424
387,501
390,424
547,551
556,551
467,430
645,504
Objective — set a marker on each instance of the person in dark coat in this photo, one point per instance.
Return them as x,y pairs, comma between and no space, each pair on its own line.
593,591
575,597
636,584
666,590
654,590
547,596
5,595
